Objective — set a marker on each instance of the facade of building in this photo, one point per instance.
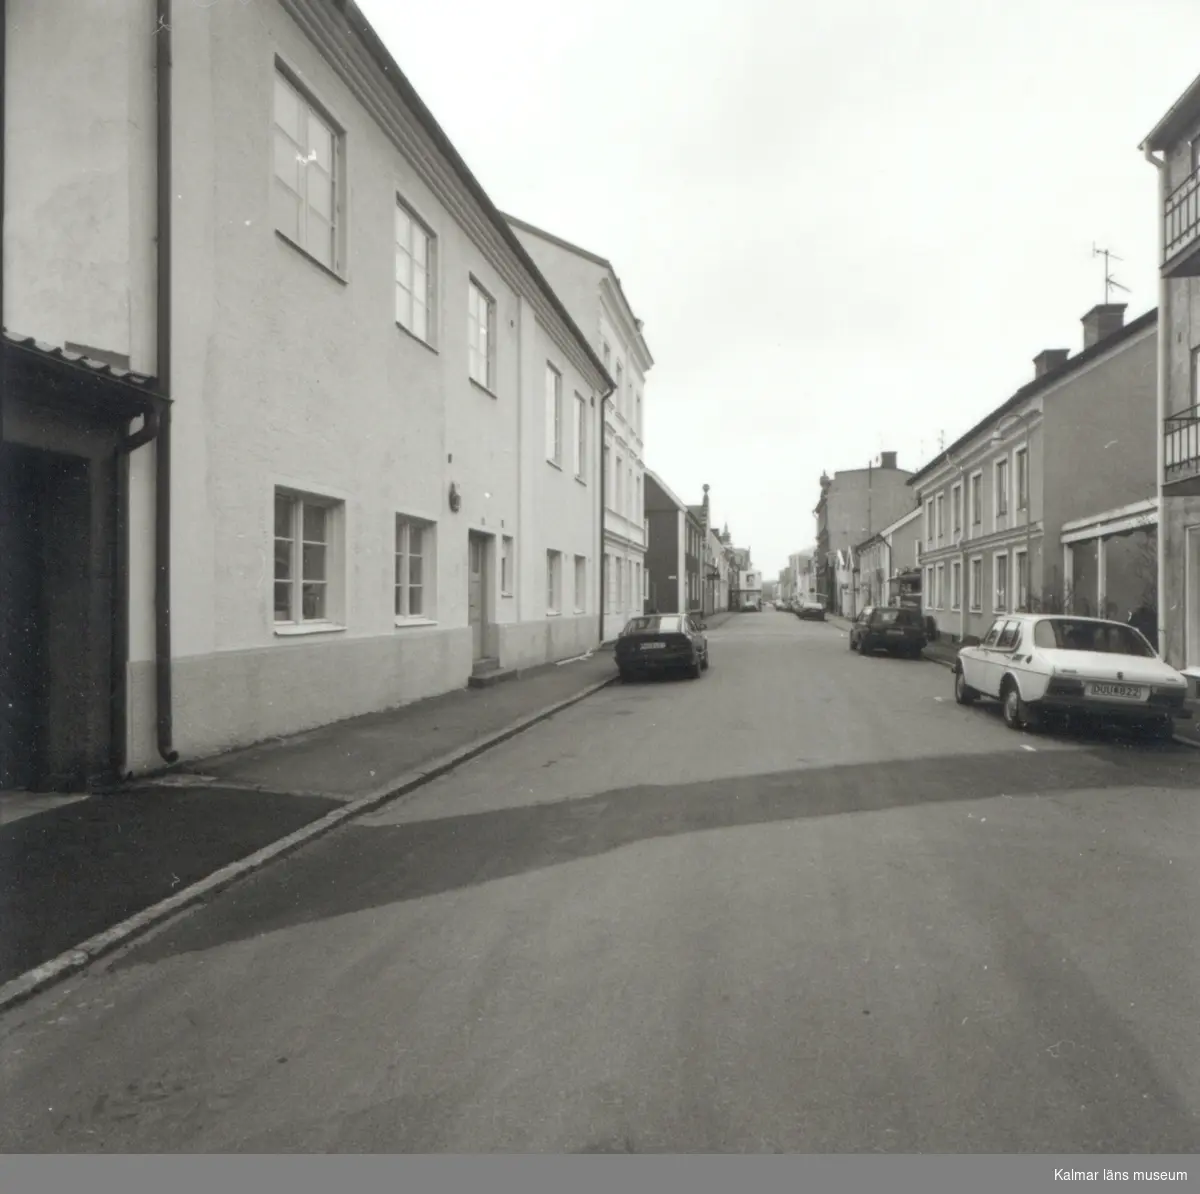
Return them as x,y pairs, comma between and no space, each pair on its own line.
718,565
1032,508
356,448
886,563
854,504
673,552
1174,148
589,287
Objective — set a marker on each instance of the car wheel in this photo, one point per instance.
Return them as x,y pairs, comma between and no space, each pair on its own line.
704,662
964,694
694,670
862,647
1017,714
626,675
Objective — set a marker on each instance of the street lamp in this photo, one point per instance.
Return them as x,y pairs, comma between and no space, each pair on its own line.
998,437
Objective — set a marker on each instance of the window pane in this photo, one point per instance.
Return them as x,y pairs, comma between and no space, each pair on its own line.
287,108
319,241
313,600
416,601
399,594
419,321
420,245
403,307
283,515
420,285
403,229
283,559
415,570
320,192
314,561
285,208
399,577
416,540
320,142
287,161
283,601
314,523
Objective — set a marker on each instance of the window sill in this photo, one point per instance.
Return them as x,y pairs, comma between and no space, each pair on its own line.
415,621
582,480
554,464
485,389
298,629
287,240
580,612
553,613
417,339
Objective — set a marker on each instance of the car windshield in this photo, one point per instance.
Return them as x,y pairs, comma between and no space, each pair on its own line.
1109,638
653,624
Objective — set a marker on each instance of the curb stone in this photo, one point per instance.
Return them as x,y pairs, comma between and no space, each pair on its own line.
40,978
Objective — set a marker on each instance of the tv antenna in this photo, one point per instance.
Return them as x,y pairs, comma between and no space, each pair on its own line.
1110,283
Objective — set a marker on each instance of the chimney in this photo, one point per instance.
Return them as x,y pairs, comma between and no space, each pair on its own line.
887,459
1050,359
1101,322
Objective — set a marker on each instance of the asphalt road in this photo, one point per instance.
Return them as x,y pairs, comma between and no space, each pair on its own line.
803,904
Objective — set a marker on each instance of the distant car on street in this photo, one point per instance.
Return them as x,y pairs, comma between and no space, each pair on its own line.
1041,666
895,629
810,611
657,643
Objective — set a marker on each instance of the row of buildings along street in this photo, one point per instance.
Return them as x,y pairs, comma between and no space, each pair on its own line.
297,425
1078,493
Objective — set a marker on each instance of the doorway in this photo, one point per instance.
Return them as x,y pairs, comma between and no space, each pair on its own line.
54,633
477,591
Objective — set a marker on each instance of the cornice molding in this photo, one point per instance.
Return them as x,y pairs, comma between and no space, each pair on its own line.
349,59
619,313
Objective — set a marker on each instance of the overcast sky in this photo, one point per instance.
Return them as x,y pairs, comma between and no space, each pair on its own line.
848,227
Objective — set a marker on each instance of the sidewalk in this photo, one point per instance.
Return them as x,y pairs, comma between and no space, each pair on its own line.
73,869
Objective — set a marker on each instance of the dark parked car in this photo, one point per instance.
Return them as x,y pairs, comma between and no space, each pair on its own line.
810,611
659,643
894,629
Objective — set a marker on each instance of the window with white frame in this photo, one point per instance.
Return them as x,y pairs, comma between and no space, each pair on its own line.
413,571
956,510
307,148
928,586
1022,457
580,437
553,415
610,583
619,496
941,586
506,566
976,499
414,274
1021,568
956,585
1000,581
305,526
620,394
636,516
941,518
629,494
638,424
1001,488
553,582
621,563
481,332
580,584
929,523
976,584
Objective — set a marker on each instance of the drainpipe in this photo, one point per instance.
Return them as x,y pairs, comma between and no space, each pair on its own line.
601,567
1160,164
162,470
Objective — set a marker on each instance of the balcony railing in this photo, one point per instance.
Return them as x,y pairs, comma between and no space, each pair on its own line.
1181,445
1182,216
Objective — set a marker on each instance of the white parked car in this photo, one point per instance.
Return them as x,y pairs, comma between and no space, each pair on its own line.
1041,665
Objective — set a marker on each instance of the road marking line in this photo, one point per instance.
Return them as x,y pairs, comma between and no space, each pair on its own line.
1026,746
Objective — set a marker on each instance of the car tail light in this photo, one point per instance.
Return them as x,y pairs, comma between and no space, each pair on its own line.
1060,686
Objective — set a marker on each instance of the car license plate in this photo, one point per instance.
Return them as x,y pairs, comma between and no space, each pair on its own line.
1117,692
653,646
